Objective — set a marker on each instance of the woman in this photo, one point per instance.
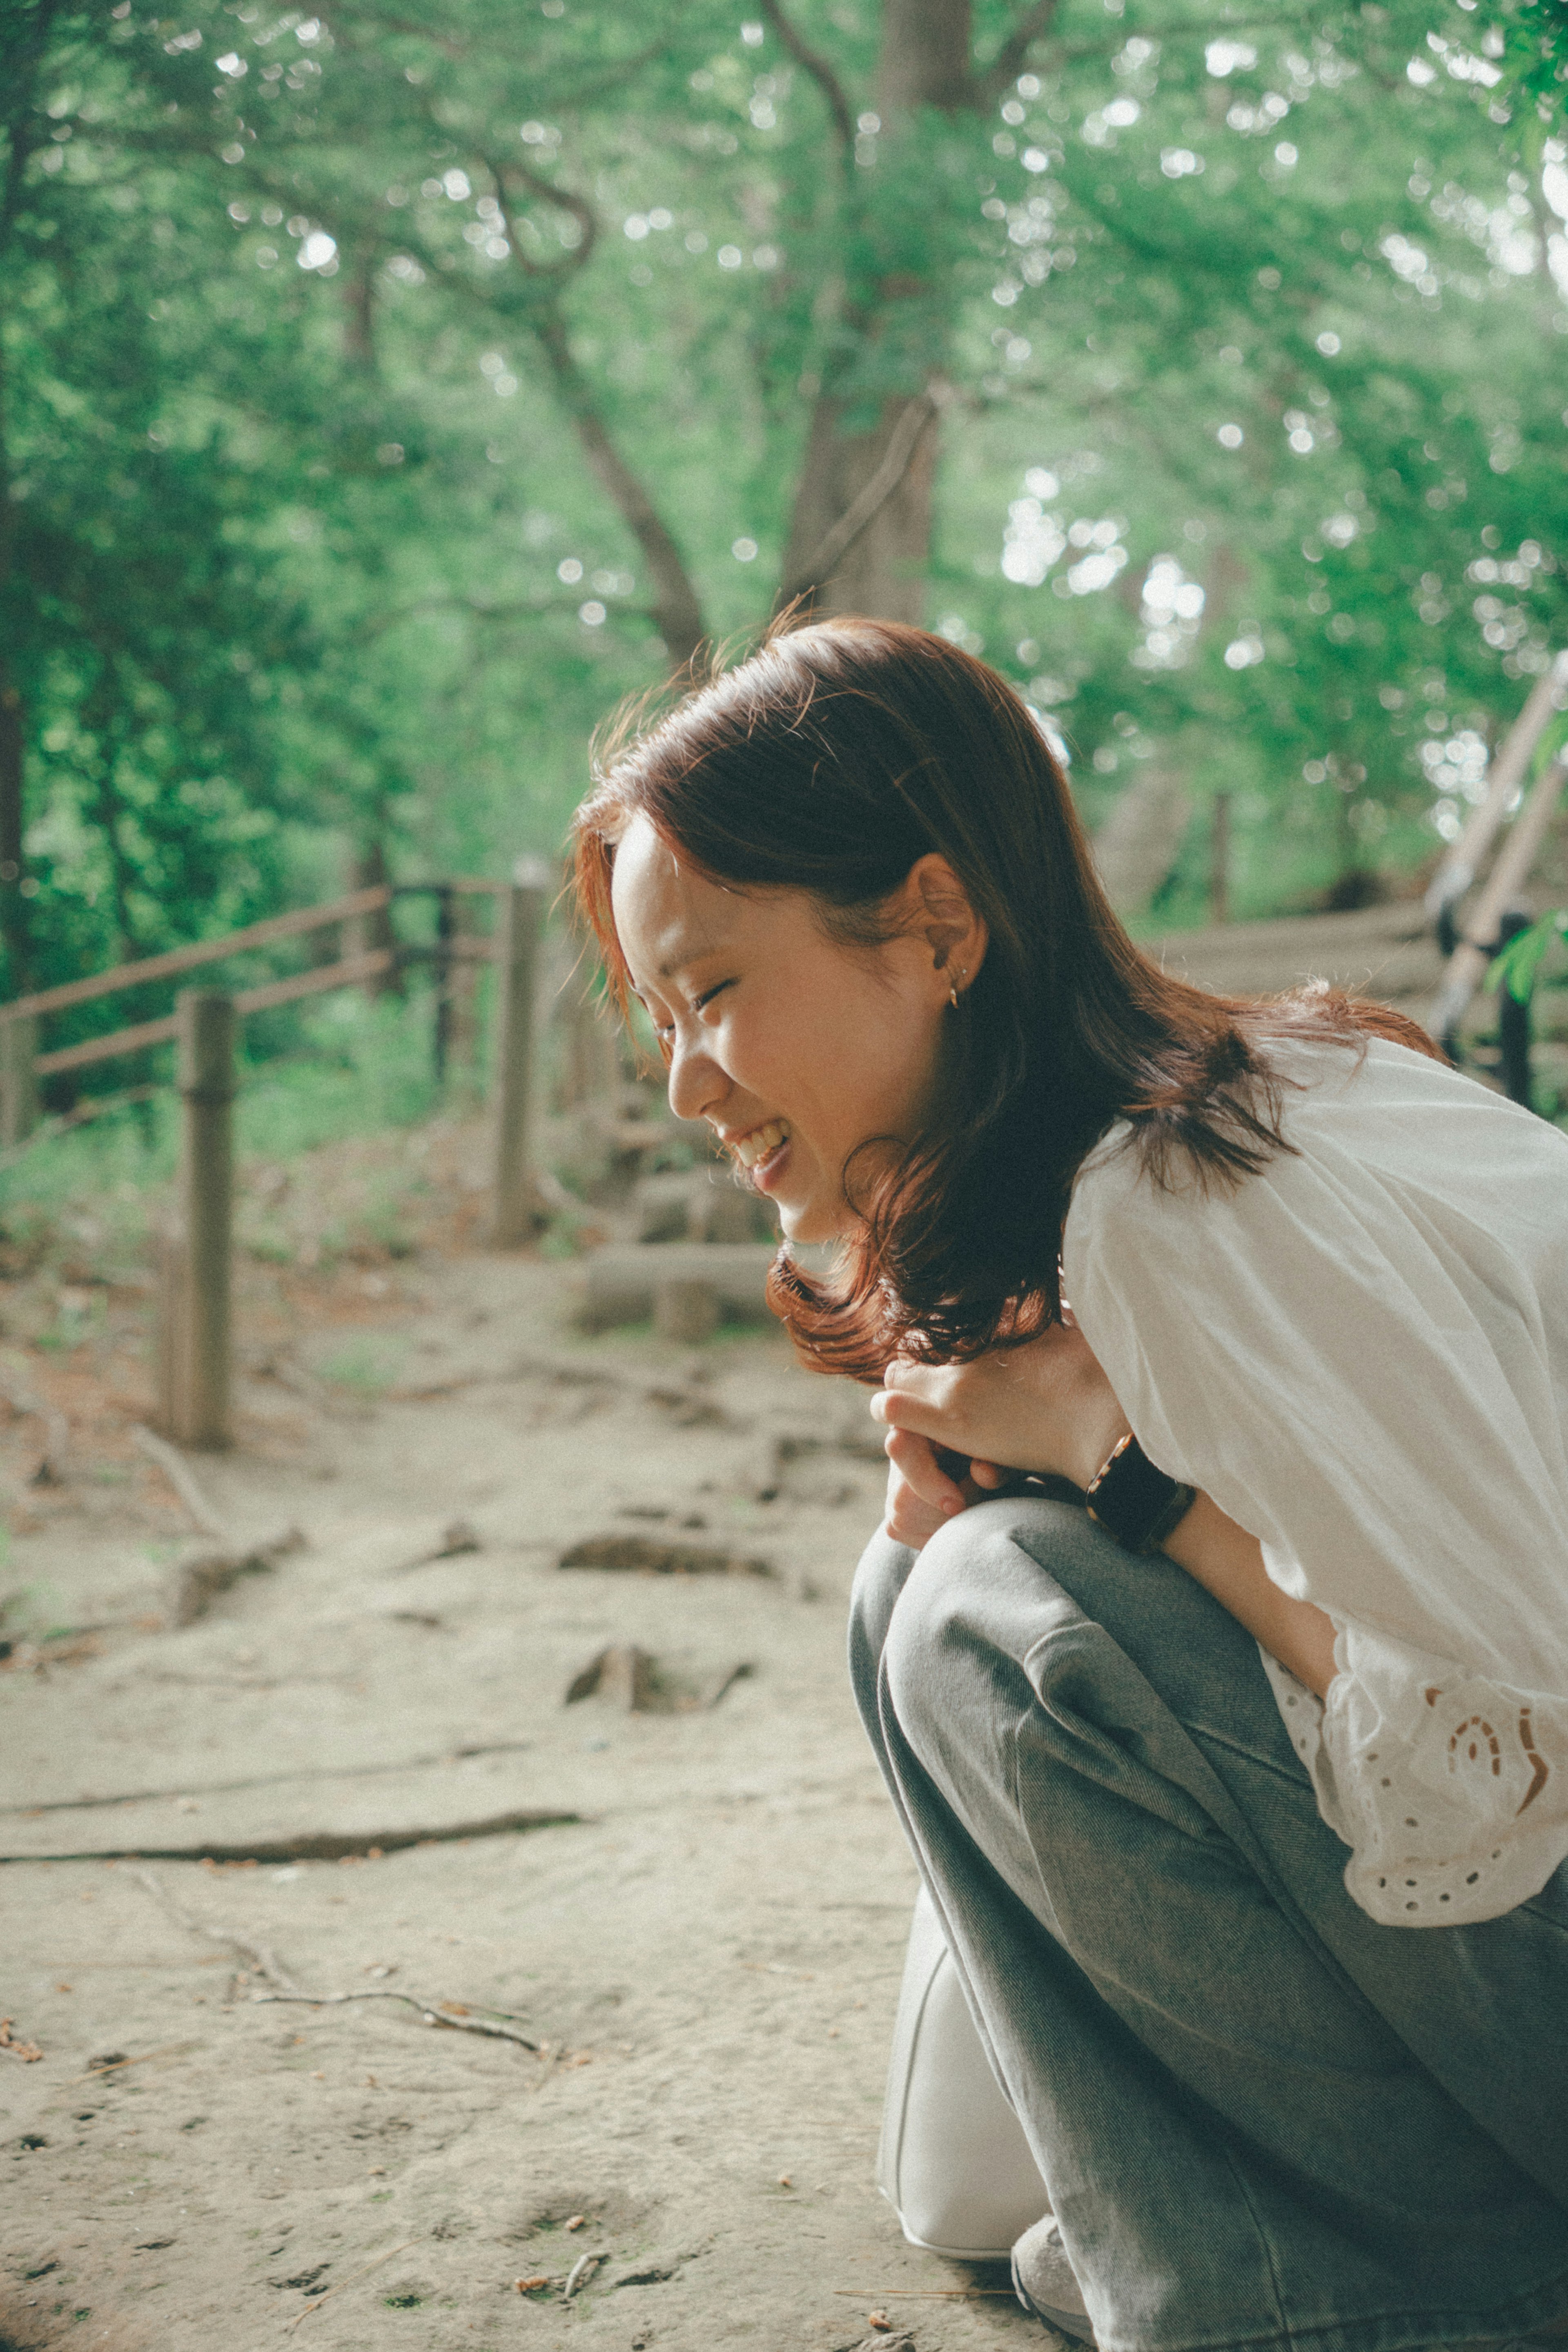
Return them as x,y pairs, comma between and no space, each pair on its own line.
1313,1377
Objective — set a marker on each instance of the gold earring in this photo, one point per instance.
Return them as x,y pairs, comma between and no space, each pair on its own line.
953,992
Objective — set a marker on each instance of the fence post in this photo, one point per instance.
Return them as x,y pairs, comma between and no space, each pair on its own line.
520,939
444,966
1219,860
18,1079
594,1053
463,991
364,933
194,1336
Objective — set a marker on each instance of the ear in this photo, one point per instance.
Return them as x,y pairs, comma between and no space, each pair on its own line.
941,914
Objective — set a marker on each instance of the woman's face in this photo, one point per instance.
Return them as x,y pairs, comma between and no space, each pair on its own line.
794,1048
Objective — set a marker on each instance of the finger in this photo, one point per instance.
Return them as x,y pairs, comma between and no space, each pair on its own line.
914,1532
909,1520
989,1474
917,1466
904,1372
896,1409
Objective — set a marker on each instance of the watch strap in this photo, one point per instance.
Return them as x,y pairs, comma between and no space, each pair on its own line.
1134,1501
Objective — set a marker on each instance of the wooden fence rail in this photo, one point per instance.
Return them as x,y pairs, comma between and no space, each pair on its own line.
351,970
297,925
194,1338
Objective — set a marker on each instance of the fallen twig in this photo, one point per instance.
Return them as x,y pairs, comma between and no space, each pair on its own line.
177,1471
119,2065
26,2050
259,1957
198,1582
580,2270
266,1963
352,2280
434,2012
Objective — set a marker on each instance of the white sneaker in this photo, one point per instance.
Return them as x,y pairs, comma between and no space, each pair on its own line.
1044,2282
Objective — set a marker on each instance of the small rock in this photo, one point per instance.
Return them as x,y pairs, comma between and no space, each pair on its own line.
643,1554
633,1680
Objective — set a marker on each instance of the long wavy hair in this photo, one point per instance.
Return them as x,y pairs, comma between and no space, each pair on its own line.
831,762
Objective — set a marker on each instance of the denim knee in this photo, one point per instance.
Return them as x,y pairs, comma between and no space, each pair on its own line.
954,1608
879,1578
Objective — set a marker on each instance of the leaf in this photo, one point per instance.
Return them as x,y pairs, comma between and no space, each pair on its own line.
1517,967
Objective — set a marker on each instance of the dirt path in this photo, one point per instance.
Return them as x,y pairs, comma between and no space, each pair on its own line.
702,1933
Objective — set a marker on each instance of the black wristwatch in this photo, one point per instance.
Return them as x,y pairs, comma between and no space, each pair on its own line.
1133,1501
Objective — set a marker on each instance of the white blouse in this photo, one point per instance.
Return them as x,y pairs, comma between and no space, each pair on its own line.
1362,1355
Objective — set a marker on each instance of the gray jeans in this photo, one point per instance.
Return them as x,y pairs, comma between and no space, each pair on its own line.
1262,2119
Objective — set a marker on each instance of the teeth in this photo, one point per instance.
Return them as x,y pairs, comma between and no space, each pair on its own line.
756,1146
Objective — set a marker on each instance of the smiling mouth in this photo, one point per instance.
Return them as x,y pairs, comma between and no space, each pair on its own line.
761,1143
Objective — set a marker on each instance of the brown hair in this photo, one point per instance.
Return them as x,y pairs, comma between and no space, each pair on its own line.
831,762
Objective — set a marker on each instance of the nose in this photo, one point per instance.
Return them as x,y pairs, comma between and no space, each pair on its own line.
697,1083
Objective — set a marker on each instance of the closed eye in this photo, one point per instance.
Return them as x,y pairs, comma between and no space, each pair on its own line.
664,1030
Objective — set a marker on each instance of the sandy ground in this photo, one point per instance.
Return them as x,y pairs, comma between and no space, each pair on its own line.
702,1932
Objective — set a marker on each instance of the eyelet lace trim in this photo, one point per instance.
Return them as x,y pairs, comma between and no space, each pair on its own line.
1452,1793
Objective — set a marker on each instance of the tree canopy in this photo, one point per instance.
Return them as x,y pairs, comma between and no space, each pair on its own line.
385,392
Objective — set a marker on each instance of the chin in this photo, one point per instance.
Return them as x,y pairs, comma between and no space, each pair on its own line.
812,1221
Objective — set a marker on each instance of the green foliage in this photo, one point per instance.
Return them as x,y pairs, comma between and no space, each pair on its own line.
1528,955
363,1368
321,339
359,1069
1528,38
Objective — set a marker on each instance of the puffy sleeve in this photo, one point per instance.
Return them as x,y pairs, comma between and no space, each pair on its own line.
1371,1395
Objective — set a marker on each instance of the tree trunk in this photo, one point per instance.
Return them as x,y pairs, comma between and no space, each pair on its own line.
12,905
14,928
925,58
675,610
891,468
360,309
882,569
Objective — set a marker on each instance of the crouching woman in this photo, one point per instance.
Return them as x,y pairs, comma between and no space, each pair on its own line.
1242,1794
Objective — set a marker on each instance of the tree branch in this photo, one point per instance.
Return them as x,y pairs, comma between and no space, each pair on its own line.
812,61
580,208
1013,55
676,609
614,77
530,608
385,20
918,414
26,52
678,614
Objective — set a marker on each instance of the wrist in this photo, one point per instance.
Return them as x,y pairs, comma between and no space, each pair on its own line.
1099,1433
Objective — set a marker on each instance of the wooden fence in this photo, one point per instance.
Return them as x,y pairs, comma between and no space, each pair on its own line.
194,1342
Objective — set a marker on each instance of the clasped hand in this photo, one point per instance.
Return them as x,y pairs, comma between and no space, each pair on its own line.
1045,1407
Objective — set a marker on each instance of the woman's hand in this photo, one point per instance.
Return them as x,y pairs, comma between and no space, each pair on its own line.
1045,1407
921,1497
